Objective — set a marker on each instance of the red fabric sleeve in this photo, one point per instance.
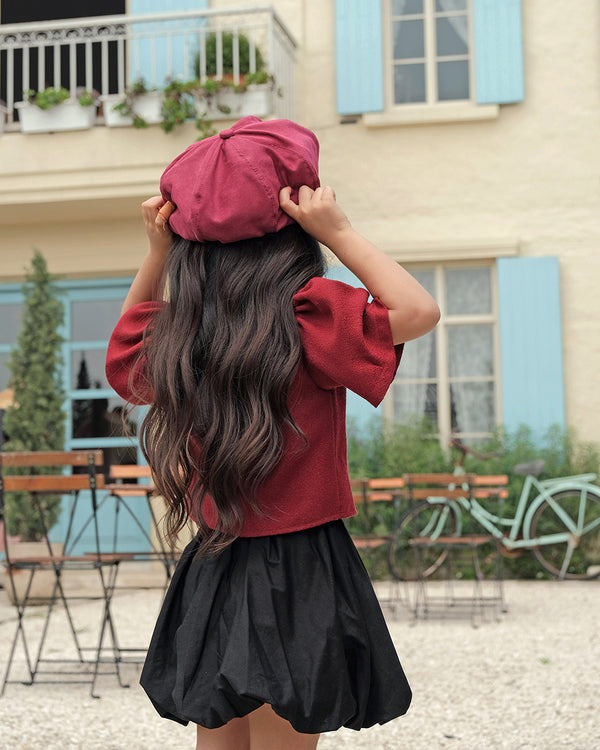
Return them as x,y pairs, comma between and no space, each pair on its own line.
125,368
347,339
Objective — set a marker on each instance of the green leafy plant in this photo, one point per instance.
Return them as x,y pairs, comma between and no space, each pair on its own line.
228,48
126,107
47,98
178,104
51,97
35,422
87,98
380,449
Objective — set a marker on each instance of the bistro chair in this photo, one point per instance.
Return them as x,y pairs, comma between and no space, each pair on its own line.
57,560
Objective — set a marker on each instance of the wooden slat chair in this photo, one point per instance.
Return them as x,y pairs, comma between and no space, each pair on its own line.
440,550
131,482
129,485
372,497
368,494
57,562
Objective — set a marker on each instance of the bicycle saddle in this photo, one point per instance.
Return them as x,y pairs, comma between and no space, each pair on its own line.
534,467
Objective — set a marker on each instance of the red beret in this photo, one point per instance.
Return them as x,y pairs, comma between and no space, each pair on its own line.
226,188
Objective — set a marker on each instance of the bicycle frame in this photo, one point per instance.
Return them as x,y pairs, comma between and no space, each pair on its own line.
580,483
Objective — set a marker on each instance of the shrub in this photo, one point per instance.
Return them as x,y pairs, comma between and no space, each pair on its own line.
211,55
384,450
35,422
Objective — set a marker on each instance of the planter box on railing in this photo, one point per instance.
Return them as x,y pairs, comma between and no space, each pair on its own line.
147,106
256,99
68,115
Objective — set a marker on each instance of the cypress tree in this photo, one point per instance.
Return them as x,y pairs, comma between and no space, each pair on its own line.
35,422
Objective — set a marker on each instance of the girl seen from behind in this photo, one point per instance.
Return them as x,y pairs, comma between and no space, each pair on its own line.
270,633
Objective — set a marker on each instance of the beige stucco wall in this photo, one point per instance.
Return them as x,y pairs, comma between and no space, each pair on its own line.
525,180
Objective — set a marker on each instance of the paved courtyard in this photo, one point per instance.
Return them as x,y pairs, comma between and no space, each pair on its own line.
528,682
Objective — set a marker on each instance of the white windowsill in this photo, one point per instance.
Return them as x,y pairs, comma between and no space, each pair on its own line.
472,249
443,252
418,114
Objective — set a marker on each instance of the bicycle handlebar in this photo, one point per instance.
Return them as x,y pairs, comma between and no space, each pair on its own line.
464,449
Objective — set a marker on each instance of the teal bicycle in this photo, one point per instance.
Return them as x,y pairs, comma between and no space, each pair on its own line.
557,520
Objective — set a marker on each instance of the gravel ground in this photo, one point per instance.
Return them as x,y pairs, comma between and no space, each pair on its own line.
527,682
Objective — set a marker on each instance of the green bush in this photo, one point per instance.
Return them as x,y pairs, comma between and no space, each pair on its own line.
36,420
228,46
384,450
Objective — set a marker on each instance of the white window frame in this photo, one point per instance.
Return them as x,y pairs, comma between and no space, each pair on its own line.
432,110
442,378
431,59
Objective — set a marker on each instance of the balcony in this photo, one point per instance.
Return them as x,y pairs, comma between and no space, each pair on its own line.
105,56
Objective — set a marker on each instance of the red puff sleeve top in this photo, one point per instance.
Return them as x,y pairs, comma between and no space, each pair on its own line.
347,343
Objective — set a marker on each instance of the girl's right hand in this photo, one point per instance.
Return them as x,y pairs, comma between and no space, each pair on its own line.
317,212
157,228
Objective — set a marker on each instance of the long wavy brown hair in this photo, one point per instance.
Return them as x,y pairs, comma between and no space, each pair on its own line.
221,356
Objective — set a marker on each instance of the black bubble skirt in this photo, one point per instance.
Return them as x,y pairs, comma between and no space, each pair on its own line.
291,620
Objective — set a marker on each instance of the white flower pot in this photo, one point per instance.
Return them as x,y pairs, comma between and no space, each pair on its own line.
113,118
147,106
256,100
68,115
217,107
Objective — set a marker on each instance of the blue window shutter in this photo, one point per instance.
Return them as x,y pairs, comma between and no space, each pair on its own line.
359,56
151,60
531,343
498,51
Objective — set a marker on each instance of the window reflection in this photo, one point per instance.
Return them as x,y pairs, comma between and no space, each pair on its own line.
11,323
409,83
473,408
100,417
468,291
87,369
4,371
93,320
415,400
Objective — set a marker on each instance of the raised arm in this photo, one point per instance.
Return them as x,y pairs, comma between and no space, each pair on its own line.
412,310
146,285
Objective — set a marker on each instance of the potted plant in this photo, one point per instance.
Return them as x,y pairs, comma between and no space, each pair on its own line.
178,104
55,109
227,46
257,94
252,95
214,99
138,106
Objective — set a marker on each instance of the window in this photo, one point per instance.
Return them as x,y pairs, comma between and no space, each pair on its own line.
10,315
430,51
93,409
451,375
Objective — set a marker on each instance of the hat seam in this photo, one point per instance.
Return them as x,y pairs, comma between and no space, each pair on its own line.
260,178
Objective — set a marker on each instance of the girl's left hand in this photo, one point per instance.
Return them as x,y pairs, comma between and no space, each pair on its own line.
156,224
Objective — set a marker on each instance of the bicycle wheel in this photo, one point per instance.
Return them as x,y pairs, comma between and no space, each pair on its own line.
422,520
579,516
